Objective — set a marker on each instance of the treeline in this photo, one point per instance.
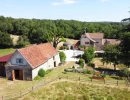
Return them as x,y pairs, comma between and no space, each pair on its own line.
35,30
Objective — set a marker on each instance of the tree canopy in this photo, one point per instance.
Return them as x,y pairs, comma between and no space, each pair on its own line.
39,31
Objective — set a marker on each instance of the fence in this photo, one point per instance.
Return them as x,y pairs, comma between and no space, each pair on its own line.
114,83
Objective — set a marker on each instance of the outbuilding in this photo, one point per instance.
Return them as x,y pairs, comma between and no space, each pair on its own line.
3,61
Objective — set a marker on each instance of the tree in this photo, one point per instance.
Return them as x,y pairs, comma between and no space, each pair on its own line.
89,54
5,40
125,47
62,57
111,54
55,35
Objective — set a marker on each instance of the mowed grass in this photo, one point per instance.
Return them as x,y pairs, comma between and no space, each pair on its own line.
6,51
68,90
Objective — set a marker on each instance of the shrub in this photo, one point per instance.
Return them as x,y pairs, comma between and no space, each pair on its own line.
37,78
87,72
103,75
41,72
62,57
81,62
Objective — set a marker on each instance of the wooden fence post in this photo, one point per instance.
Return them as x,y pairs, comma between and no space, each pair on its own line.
2,97
117,83
32,88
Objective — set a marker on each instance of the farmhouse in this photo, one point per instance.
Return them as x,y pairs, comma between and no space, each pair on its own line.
3,61
25,63
96,40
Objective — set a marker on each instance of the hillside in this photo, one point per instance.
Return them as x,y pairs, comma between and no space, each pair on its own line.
68,90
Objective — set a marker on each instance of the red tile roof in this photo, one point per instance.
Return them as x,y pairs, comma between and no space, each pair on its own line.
38,54
111,41
5,58
95,35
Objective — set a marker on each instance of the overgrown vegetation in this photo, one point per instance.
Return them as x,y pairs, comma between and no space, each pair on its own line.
78,91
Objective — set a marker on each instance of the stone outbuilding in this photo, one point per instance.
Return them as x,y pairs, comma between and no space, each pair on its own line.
25,63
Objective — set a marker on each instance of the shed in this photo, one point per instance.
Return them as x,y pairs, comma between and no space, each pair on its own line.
3,61
68,44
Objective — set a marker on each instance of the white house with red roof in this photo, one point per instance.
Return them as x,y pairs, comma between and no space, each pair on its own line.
25,63
96,40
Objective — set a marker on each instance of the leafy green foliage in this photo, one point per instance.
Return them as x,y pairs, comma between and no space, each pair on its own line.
62,57
87,72
111,54
39,31
124,72
23,41
41,73
37,78
48,71
5,40
125,47
89,54
81,62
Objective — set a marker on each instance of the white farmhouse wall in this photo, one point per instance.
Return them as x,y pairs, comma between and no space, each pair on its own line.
57,59
99,41
83,41
15,56
47,65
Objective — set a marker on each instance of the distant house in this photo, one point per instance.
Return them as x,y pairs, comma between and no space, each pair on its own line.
96,40
3,61
25,63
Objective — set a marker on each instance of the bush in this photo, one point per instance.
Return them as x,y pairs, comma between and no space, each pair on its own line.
103,75
62,57
81,62
87,72
37,78
41,72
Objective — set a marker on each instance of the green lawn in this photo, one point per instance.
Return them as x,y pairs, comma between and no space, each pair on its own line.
6,51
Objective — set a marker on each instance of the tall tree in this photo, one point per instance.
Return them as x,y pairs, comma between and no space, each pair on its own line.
125,47
111,54
5,40
89,54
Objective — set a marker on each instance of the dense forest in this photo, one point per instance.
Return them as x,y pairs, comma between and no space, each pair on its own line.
37,31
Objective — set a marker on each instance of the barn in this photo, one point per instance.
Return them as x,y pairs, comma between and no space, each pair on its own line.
3,61
25,63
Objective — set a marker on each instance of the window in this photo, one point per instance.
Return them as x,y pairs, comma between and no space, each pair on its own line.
19,60
86,42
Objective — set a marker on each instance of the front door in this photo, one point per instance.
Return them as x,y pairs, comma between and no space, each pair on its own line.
21,74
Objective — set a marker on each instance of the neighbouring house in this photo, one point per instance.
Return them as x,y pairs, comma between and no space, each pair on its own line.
3,61
25,63
96,40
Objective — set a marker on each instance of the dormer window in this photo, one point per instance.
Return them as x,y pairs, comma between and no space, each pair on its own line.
19,60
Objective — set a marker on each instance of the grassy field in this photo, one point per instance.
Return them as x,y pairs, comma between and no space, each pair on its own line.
6,51
68,90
